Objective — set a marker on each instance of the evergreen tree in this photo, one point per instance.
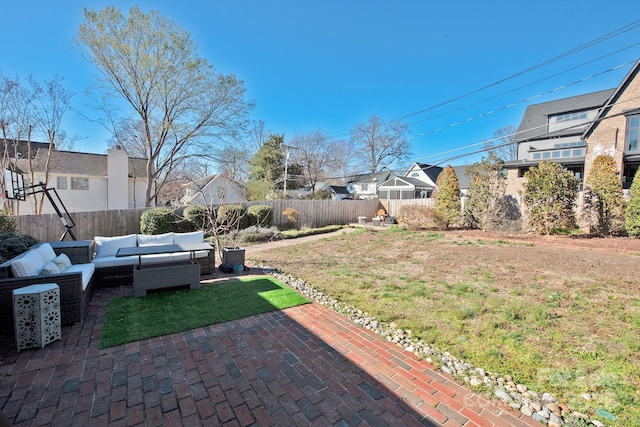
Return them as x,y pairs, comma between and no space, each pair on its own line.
447,197
550,194
486,206
268,162
603,196
632,214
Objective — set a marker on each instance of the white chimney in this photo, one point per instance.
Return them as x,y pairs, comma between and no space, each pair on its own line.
117,178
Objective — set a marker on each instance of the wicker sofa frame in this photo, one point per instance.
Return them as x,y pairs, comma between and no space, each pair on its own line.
73,300
123,274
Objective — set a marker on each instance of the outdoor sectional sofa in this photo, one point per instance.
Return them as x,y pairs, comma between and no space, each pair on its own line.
115,271
43,264
88,269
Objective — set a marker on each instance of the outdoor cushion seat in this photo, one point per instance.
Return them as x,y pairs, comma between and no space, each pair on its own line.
86,270
44,264
155,259
186,256
114,261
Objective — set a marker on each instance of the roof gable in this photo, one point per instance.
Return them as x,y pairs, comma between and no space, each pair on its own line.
615,96
370,177
534,123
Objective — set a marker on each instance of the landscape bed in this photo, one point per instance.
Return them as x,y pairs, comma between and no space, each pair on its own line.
559,315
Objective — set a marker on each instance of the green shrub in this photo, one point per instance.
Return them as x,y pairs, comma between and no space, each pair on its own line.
549,195
158,221
260,215
231,217
632,214
416,217
447,207
12,244
7,223
197,217
255,234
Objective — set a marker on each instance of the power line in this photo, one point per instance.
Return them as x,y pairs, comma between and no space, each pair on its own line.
524,86
600,39
522,101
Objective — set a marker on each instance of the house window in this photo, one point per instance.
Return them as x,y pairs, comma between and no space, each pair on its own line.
79,183
571,116
537,156
577,171
630,171
364,187
633,129
61,183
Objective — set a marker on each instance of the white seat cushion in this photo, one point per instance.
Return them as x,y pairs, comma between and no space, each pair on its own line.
108,246
155,258
186,256
29,264
155,239
113,261
86,270
193,237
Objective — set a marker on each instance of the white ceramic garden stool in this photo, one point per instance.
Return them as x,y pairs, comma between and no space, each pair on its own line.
36,311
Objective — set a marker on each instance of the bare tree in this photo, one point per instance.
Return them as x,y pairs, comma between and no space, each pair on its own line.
380,144
314,152
342,164
180,104
51,101
16,121
503,145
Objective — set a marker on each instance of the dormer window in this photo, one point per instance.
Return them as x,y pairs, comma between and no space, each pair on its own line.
568,117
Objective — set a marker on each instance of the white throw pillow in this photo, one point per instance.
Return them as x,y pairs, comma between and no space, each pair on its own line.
155,239
29,264
63,262
50,268
46,252
193,237
108,246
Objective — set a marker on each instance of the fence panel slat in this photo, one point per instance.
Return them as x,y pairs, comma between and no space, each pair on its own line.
312,213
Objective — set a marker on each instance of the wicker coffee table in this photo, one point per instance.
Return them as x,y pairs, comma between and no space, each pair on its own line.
164,275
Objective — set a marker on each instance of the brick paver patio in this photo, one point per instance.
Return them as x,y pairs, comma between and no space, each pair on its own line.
302,366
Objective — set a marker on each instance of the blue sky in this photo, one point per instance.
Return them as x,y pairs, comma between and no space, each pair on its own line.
328,65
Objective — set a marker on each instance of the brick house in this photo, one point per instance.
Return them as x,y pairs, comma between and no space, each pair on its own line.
574,130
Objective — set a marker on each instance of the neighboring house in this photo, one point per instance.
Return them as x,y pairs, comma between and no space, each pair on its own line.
616,128
214,190
85,182
339,192
365,186
554,131
573,131
419,182
401,188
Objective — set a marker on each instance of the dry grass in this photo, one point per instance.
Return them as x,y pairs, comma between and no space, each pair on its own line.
559,319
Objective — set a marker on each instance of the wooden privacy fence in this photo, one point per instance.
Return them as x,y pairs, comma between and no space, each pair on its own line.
312,213
393,206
